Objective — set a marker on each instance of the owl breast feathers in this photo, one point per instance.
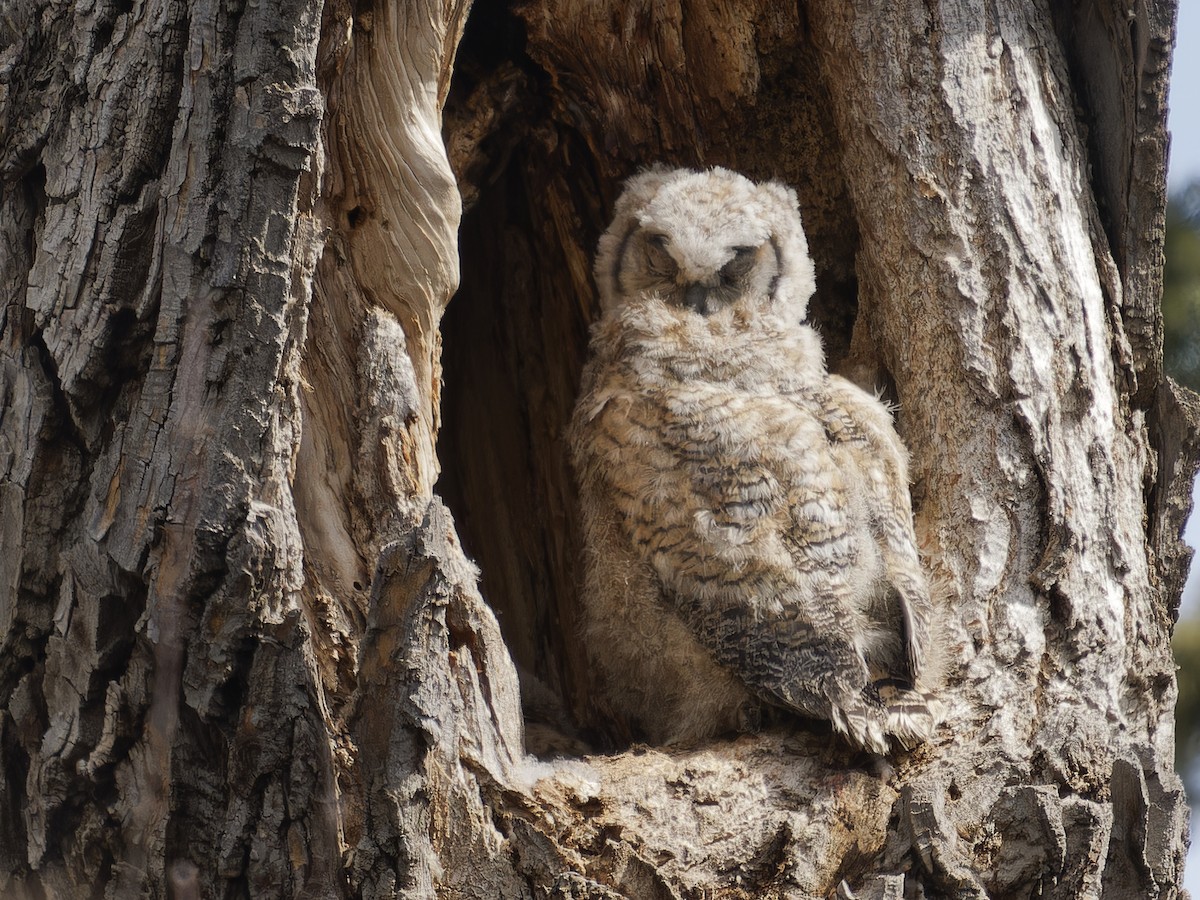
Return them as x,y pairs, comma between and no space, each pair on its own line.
748,527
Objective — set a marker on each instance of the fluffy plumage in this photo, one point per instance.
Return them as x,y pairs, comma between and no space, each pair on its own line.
747,518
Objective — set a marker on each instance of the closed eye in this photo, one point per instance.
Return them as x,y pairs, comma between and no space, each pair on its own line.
737,268
658,260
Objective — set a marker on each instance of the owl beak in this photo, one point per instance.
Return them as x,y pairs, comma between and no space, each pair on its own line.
695,297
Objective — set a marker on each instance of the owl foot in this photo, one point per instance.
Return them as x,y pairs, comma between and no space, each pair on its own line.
863,725
912,716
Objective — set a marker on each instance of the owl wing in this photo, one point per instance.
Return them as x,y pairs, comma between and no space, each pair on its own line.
863,425
796,660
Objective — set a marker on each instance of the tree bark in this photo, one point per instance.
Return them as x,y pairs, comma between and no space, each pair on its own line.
245,653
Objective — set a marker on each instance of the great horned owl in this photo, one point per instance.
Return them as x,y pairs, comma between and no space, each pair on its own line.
747,519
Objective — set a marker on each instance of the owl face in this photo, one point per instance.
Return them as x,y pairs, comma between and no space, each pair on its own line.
695,272
704,243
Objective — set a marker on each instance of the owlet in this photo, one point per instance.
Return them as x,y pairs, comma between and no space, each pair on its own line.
748,526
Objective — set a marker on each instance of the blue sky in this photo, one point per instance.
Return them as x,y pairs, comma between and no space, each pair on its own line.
1184,99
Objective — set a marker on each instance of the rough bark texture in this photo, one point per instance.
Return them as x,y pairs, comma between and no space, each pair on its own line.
242,650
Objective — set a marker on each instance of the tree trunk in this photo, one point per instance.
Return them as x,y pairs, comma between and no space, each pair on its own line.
244,651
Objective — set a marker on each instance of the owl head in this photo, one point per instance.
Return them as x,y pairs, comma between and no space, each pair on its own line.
704,242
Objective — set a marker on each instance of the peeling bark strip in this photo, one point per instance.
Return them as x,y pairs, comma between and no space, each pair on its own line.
242,651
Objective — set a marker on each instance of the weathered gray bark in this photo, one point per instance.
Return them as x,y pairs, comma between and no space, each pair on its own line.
244,653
